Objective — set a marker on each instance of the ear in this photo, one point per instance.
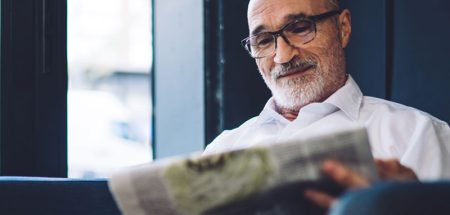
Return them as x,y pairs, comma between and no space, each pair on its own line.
345,27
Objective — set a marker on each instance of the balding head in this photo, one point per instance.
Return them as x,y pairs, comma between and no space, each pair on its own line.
334,4
330,4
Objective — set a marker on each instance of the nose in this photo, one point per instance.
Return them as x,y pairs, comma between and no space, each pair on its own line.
284,51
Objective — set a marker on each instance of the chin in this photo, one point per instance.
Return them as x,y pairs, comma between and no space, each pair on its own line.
294,100
296,96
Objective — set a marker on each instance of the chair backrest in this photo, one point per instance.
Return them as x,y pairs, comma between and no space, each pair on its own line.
29,195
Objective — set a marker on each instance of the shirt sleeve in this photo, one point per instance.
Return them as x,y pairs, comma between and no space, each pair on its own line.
219,144
428,151
228,138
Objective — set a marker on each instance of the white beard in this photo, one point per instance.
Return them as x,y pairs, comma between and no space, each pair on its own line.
295,93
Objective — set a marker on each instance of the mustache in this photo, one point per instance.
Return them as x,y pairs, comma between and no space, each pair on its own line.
295,64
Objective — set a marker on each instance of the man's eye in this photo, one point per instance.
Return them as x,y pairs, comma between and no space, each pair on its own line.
300,29
264,41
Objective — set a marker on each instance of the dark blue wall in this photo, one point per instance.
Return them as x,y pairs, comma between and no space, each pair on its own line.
366,53
421,56
399,50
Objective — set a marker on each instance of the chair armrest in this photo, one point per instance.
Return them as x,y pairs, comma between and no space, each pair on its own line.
30,195
397,198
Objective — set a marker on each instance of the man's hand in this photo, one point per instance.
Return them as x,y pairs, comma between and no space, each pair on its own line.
393,170
387,170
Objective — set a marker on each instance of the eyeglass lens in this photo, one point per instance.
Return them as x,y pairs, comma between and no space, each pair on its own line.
297,33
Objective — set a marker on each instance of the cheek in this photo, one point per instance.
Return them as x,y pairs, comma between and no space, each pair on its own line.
323,56
325,53
324,44
264,66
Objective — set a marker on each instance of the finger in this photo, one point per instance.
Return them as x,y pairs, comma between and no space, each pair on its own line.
407,173
322,199
394,170
344,175
385,169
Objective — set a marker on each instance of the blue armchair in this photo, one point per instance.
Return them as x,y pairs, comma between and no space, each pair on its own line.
53,196
48,196
397,198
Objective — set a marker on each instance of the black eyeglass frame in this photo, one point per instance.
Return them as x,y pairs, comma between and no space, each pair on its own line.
313,19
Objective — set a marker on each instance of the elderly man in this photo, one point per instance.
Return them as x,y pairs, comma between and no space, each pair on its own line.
299,49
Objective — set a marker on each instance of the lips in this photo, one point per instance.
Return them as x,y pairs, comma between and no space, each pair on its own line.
295,71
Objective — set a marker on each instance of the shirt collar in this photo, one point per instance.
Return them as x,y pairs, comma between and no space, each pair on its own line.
269,113
348,99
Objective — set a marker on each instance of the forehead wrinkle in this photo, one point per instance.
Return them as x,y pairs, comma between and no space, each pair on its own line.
292,17
256,13
286,19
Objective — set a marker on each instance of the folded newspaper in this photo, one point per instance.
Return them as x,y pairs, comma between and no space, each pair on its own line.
267,179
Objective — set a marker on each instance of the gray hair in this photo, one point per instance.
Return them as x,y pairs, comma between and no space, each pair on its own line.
334,4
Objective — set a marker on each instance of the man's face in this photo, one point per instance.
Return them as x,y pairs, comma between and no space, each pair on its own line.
302,74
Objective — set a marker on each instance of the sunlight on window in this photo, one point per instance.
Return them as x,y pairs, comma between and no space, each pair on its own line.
109,106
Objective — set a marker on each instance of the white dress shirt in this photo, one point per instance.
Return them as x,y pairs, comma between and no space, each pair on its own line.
418,140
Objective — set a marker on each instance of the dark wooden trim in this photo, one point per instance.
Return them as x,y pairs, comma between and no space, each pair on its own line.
389,48
33,116
152,86
234,89
214,69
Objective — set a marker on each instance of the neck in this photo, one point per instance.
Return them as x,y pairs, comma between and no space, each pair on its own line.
290,115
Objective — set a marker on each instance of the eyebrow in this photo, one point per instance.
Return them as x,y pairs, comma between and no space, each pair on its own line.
288,18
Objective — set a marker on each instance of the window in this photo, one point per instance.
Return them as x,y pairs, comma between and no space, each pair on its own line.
35,105
109,105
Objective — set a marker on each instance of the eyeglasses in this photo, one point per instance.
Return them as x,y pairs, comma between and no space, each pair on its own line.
298,32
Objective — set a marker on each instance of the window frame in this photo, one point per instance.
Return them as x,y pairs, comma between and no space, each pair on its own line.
33,88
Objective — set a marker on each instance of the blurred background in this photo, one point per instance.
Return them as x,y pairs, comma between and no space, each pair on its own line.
109,97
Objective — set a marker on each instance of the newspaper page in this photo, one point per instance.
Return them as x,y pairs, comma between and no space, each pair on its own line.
267,179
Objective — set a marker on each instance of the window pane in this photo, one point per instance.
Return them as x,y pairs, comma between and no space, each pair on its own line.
109,51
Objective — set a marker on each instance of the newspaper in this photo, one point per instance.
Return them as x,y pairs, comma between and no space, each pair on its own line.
266,179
